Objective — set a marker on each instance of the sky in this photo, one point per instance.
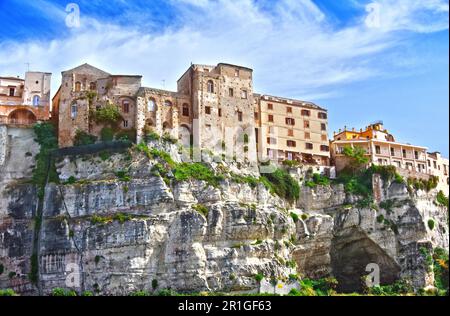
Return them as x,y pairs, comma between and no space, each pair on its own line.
363,60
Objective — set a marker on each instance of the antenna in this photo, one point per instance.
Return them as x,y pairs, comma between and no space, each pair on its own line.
28,66
164,83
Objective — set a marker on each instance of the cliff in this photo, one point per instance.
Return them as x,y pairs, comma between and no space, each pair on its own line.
137,221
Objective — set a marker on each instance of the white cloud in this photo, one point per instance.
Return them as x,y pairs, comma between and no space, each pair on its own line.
293,49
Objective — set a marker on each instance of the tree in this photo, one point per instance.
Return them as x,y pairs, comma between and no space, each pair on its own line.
357,158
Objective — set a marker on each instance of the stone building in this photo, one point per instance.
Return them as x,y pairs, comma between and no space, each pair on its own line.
214,107
25,101
439,166
85,89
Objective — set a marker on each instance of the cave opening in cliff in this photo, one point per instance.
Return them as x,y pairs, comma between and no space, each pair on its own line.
351,253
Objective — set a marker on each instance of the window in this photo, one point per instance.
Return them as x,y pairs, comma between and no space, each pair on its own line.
434,164
416,154
231,92
12,92
126,106
36,100
392,151
289,156
324,148
210,86
239,116
256,116
270,153
271,129
307,135
244,94
167,103
324,138
92,86
306,124
270,106
322,115
220,112
309,146
125,123
236,73
429,163
306,113
77,86
404,153
289,109
323,127
185,110
290,121
290,132
291,143
208,110
74,110
151,105
271,141
378,150
270,119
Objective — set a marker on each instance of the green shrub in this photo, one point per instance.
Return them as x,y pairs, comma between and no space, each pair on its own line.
7,292
259,277
82,138
201,209
87,293
104,155
291,163
167,292
140,293
380,219
127,135
440,268
431,224
123,176
197,171
154,284
401,287
169,139
71,180
304,216
151,136
282,183
107,134
63,292
295,217
122,218
108,114
442,199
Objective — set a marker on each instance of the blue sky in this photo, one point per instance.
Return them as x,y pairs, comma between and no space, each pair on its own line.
328,52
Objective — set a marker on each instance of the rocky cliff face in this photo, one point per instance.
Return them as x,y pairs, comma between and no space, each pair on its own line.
113,236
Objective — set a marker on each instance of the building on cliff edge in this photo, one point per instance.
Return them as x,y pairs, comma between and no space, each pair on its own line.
23,102
212,105
381,148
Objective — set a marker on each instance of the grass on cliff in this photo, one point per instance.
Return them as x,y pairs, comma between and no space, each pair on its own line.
46,138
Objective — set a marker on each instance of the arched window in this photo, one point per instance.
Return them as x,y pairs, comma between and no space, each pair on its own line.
126,106
151,107
167,103
74,110
36,100
92,86
77,86
210,86
185,109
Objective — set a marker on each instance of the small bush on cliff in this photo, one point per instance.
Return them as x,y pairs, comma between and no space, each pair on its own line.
440,267
442,199
317,179
82,138
259,277
107,134
282,183
201,209
295,217
63,292
431,224
7,292
401,287
197,171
